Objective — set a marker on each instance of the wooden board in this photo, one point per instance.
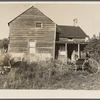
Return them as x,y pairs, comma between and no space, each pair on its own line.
23,29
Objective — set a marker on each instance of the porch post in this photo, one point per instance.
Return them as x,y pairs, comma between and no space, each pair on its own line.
66,51
78,51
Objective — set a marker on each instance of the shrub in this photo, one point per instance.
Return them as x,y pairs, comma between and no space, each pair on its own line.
4,59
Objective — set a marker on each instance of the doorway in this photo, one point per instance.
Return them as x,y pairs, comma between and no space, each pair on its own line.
70,49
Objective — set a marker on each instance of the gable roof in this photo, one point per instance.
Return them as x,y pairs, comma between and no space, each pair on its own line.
66,31
35,11
71,31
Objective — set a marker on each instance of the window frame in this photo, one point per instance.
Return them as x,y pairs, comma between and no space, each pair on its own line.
62,47
37,22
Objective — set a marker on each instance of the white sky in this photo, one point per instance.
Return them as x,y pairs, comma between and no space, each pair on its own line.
62,13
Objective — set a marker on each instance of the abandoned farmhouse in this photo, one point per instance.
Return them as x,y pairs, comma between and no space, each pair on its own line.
35,34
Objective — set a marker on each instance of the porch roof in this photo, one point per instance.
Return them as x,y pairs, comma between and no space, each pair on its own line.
72,42
71,31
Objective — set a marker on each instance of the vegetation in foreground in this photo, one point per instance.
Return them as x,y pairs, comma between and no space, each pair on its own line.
48,75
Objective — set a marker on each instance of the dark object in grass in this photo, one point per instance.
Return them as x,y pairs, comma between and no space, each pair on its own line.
79,64
15,64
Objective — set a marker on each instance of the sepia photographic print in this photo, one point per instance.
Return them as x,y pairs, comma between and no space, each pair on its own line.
50,46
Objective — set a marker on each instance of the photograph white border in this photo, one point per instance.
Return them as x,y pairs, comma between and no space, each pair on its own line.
49,94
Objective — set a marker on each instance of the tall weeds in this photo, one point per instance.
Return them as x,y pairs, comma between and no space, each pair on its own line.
37,75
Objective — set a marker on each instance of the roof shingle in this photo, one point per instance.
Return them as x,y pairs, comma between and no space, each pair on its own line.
71,31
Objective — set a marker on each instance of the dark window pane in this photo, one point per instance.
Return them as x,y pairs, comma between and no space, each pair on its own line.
38,24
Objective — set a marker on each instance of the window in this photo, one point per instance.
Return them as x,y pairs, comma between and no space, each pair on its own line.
38,24
70,39
32,46
62,47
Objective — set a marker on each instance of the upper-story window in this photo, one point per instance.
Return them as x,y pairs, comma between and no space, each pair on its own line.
38,24
70,39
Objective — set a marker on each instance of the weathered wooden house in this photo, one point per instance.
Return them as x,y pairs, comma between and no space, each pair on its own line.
35,34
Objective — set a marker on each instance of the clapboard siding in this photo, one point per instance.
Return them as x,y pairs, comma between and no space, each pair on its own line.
45,39
43,44
32,34
28,19
44,50
17,49
23,29
25,44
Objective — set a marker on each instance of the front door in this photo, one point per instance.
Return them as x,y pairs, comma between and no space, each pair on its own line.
71,49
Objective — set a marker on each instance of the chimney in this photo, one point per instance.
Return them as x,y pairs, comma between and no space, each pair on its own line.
75,22
31,5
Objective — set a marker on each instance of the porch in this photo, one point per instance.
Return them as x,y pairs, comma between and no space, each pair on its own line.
72,51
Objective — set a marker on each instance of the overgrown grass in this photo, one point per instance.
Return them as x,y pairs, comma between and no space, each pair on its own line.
49,74
37,75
